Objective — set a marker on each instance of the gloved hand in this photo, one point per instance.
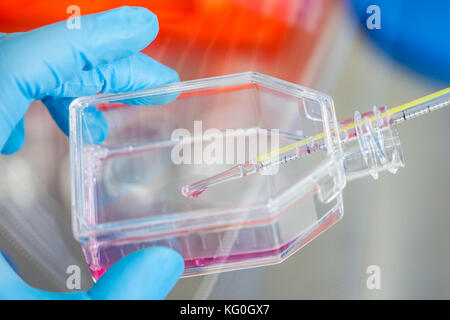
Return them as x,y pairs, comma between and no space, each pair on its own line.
146,274
55,64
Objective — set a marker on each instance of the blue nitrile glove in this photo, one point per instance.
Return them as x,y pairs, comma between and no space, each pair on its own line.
146,274
55,64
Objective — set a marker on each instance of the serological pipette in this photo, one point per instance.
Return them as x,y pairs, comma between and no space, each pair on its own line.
348,129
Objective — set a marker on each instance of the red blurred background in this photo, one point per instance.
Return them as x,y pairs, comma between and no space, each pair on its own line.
202,38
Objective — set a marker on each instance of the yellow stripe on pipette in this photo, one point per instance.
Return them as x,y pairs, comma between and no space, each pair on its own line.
321,135
416,102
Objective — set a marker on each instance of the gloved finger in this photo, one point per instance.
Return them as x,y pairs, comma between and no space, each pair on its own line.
16,139
95,126
130,74
10,260
14,288
133,73
11,285
146,274
63,53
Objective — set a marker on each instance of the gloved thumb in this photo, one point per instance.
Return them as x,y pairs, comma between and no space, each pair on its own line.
16,139
146,274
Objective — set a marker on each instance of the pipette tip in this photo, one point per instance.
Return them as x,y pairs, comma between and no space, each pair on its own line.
188,192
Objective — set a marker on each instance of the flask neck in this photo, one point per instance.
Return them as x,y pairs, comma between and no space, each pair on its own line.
371,144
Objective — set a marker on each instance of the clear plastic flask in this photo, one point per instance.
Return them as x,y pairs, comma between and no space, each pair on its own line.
132,153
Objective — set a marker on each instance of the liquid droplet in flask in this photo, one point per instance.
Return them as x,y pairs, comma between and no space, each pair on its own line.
188,192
